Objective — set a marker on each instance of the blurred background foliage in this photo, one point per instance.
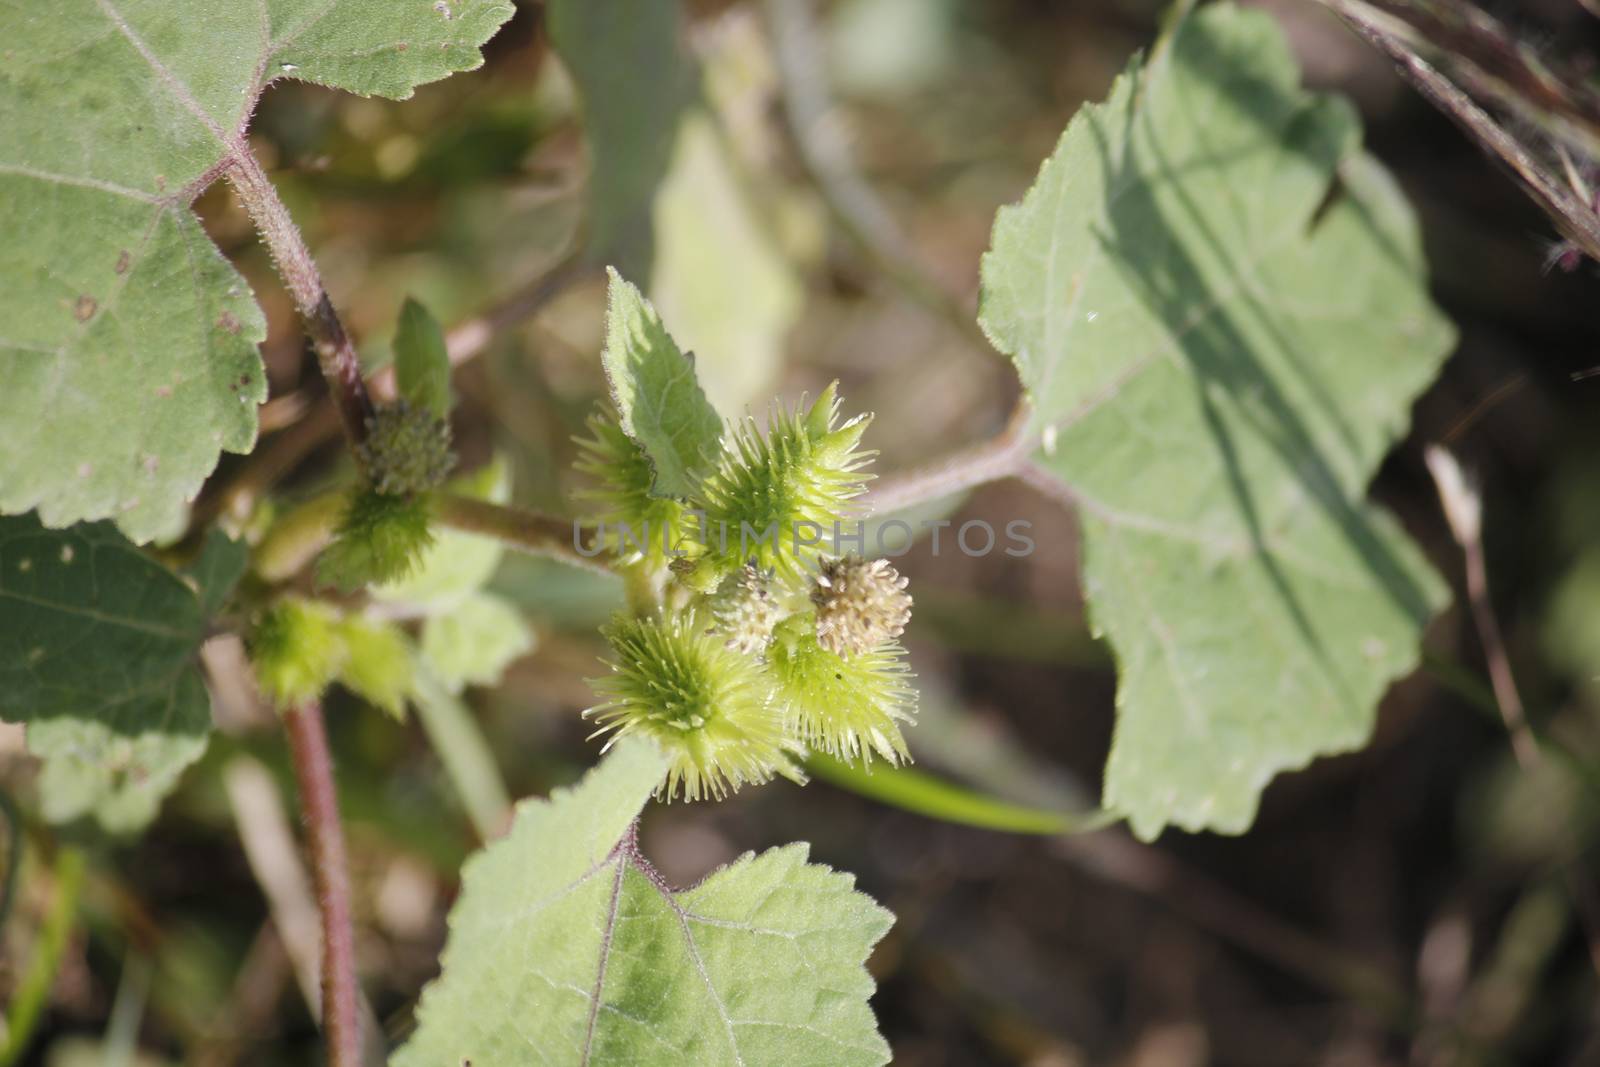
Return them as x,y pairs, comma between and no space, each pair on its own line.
1401,905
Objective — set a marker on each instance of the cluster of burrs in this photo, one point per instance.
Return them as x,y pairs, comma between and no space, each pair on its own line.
759,654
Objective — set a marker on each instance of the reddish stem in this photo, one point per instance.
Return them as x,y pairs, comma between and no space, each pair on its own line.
336,355
319,805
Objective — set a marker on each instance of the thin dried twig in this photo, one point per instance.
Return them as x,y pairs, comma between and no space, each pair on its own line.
1574,216
1463,510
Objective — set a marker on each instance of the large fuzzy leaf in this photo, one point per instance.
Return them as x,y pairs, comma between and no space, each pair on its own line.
1217,303
128,354
566,948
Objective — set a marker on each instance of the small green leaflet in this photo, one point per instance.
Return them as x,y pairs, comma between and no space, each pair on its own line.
566,949
474,642
123,321
1217,303
658,398
421,361
97,656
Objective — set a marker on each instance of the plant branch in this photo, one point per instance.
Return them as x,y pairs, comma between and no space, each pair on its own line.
1003,456
315,422
313,768
1463,509
467,339
1482,54
336,355
526,531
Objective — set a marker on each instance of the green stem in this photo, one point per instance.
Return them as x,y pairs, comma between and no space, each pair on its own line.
923,793
526,531
122,1031
465,753
33,991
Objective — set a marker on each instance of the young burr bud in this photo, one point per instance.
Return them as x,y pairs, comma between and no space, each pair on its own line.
802,473
851,708
743,610
296,650
379,538
708,707
407,449
860,604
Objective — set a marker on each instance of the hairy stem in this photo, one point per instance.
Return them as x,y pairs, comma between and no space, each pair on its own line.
319,804
526,531
310,423
336,355
1003,456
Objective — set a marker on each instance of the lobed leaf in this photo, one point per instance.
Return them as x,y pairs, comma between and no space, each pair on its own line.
1217,303
123,321
566,948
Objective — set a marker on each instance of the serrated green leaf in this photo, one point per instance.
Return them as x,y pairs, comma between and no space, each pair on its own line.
658,399
457,564
123,322
1218,305
97,657
473,643
566,948
421,361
